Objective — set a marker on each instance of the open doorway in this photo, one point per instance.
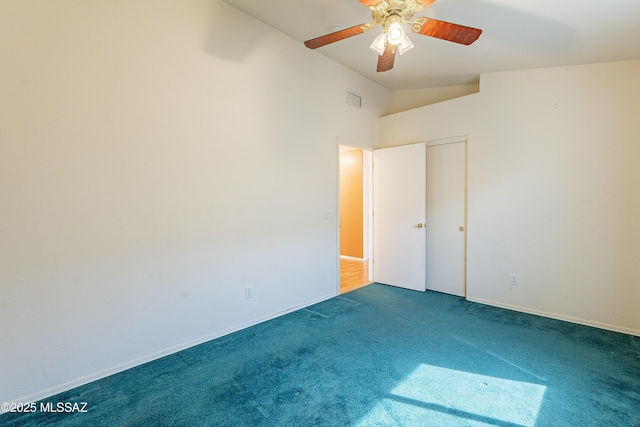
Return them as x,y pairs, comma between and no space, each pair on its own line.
355,217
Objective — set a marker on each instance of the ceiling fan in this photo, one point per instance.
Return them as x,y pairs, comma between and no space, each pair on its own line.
391,15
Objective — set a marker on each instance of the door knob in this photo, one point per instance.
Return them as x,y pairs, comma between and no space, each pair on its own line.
461,228
420,225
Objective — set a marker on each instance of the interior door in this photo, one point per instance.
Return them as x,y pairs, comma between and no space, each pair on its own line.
399,214
446,226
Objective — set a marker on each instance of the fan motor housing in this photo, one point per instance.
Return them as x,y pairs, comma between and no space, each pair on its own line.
402,8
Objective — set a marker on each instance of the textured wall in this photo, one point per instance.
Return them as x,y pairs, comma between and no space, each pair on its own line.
552,188
152,167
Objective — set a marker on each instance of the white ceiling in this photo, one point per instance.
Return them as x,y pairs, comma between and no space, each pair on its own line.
517,34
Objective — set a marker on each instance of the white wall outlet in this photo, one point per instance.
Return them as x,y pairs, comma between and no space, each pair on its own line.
329,213
248,292
513,279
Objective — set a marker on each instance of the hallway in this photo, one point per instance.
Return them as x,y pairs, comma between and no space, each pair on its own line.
354,274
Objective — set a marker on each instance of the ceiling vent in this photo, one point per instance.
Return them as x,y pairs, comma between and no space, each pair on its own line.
354,99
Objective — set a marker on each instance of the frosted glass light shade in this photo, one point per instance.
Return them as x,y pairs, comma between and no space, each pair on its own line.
395,33
405,45
379,43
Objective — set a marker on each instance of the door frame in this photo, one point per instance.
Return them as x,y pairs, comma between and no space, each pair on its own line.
367,181
369,210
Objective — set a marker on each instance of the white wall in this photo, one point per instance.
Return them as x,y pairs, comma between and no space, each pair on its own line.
553,186
403,100
151,167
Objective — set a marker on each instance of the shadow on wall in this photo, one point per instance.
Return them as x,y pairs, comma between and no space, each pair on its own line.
229,23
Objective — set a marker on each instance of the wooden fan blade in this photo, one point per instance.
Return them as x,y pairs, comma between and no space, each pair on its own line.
370,3
446,30
386,60
337,36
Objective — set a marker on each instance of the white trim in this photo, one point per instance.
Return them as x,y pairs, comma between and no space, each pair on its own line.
366,201
367,173
352,143
443,141
599,325
430,142
338,143
352,258
157,355
368,209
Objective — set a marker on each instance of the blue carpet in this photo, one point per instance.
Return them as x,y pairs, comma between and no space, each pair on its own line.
377,356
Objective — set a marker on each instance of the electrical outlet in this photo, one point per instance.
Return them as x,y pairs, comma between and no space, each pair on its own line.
329,213
248,292
513,279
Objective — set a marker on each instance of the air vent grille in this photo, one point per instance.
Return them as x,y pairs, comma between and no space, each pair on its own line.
354,99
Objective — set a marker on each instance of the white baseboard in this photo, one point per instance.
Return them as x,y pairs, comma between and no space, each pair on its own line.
52,391
43,394
579,321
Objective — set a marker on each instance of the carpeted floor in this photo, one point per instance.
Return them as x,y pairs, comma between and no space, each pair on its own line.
377,356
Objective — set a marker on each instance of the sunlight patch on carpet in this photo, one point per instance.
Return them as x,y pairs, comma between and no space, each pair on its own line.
455,397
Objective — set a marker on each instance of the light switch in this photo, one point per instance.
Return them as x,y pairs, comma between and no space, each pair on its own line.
513,279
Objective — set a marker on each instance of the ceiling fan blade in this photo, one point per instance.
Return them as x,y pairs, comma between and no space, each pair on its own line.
386,60
446,30
370,3
337,36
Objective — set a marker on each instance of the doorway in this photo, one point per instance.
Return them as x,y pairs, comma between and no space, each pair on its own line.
438,260
354,217
420,216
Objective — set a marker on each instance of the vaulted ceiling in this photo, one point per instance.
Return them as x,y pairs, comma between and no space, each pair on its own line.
516,35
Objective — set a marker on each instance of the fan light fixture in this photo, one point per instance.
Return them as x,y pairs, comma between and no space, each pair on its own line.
395,33
379,43
391,16
405,45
